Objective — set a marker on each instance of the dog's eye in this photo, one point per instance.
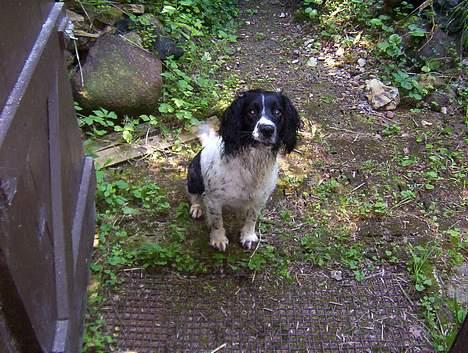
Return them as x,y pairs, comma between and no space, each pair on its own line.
252,112
277,112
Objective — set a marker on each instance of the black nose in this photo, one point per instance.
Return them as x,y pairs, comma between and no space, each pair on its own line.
266,130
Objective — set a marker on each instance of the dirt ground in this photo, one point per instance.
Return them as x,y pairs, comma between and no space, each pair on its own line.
336,226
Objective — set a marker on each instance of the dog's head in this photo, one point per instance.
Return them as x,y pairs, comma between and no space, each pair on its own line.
260,117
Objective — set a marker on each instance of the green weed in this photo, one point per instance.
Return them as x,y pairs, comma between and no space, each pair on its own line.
420,266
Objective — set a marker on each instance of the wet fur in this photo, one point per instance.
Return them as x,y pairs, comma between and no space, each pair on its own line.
235,169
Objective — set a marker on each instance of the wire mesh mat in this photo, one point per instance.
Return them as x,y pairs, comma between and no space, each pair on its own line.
169,313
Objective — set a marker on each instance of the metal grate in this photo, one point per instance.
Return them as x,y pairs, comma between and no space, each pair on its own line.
167,313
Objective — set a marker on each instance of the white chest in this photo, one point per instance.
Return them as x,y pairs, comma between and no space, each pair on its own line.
246,179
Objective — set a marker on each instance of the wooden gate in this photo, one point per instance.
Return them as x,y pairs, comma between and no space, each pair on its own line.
47,186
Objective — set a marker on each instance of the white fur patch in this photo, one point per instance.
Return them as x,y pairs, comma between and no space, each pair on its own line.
241,181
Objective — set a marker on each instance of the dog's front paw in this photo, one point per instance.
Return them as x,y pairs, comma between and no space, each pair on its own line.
196,211
218,239
248,239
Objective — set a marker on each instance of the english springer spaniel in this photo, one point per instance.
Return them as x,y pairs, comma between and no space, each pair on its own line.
238,168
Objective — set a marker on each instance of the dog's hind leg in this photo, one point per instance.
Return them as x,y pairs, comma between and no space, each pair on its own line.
248,236
196,206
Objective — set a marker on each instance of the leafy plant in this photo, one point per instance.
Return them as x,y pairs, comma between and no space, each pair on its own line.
420,266
98,122
102,121
315,249
409,84
415,31
391,47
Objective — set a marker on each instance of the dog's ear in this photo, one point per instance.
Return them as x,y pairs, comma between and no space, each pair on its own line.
231,126
291,125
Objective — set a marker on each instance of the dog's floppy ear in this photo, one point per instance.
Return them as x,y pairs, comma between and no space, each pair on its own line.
291,125
231,126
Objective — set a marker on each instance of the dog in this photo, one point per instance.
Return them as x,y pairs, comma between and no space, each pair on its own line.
238,167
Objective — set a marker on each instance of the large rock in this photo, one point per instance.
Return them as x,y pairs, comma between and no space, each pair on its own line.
120,77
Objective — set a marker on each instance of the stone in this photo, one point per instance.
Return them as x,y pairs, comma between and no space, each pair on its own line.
133,38
438,48
336,275
108,15
437,100
123,25
120,77
76,18
312,62
382,97
134,8
166,46
457,287
361,62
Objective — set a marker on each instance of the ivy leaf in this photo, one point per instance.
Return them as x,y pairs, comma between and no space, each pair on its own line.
178,102
166,108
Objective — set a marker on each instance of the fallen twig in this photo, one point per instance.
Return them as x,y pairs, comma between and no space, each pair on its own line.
219,348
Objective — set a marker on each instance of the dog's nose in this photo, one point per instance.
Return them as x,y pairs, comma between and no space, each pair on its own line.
266,130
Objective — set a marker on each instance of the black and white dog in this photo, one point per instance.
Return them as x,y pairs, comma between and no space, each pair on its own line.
238,168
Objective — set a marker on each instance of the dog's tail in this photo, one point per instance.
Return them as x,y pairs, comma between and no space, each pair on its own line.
206,132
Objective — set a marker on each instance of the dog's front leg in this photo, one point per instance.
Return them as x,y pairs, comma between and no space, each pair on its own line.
248,236
214,216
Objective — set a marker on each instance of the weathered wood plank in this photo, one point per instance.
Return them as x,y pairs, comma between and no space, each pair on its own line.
117,154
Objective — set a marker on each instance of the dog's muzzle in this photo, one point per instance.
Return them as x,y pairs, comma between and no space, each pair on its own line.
265,133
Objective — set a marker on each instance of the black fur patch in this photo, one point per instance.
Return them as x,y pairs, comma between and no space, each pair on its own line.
242,115
194,177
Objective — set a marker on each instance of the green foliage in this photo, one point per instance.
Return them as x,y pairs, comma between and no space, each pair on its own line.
420,265
101,122
204,28
381,23
185,95
443,333
457,245
171,253
269,257
120,197
262,258
396,36
327,187
391,130
98,123
334,16
415,31
409,85
316,249
146,29
197,18
391,47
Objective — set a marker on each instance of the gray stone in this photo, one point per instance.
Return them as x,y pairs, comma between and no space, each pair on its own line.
165,47
120,77
437,100
135,9
438,46
458,285
133,38
382,97
108,15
